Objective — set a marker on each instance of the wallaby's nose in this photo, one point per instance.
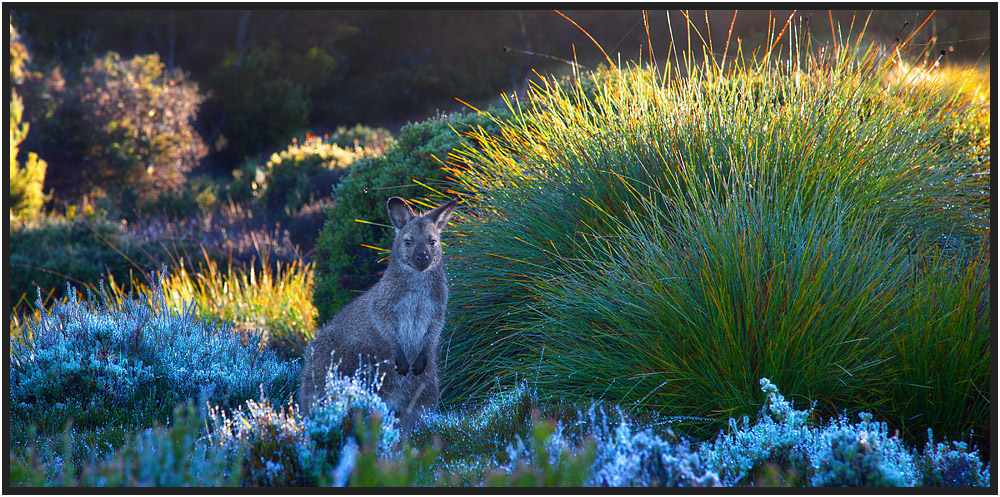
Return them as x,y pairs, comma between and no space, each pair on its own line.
422,259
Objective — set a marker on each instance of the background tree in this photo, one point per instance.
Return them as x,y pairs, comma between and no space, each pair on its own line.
25,187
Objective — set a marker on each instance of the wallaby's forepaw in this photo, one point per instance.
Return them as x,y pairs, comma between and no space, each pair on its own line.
402,365
420,363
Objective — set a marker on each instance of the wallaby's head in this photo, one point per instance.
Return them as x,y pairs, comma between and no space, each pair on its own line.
418,237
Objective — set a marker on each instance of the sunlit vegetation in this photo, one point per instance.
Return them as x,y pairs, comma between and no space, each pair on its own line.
642,254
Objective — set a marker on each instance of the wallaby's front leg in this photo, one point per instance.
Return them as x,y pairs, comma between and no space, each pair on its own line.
402,364
428,346
421,361
382,318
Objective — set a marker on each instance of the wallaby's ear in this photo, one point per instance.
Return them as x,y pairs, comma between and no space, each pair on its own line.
399,212
442,213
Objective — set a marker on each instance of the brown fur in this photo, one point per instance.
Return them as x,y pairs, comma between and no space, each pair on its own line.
395,325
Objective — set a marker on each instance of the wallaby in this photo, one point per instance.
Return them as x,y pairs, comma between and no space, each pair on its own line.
395,325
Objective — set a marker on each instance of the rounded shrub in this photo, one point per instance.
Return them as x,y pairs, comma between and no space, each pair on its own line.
301,173
138,122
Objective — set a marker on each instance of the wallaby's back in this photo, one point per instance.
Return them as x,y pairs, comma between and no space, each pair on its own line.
393,329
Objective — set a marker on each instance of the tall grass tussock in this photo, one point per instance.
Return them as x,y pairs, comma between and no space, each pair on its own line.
664,241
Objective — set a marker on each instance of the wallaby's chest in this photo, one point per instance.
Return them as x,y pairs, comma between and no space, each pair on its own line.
414,312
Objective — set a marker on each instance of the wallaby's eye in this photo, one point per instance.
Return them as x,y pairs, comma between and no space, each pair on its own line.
431,242
407,242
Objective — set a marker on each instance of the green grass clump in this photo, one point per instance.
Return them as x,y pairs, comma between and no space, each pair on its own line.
664,242
273,300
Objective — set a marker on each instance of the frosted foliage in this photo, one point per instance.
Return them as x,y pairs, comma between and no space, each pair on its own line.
837,454
108,352
280,447
626,457
951,464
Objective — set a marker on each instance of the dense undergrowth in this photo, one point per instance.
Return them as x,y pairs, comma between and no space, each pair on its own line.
113,367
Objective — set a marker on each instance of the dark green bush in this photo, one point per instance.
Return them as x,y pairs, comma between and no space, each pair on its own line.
197,196
301,173
48,253
84,249
345,261
264,100
245,185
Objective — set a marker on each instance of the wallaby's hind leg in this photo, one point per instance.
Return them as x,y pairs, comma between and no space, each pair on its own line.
423,397
308,383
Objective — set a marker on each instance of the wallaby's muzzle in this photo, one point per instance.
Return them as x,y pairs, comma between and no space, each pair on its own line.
421,260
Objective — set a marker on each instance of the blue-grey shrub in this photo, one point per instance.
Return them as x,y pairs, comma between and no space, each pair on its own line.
162,456
174,456
950,464
629,458
861,455
97,354
840,453
780,435
624,454
280,447
486,429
